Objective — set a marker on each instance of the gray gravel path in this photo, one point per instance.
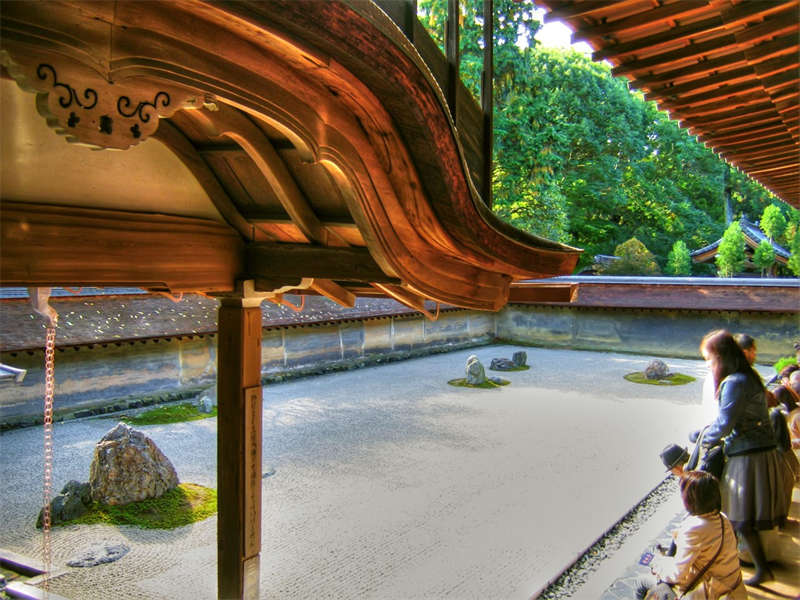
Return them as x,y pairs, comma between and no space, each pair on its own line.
389,483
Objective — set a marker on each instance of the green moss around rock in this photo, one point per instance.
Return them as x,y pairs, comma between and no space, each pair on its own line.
671,379
188,503
486,385
163,415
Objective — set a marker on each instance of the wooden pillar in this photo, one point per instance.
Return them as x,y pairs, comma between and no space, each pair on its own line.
453,54
239,448
487,100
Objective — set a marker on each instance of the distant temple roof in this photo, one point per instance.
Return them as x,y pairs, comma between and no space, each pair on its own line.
753,236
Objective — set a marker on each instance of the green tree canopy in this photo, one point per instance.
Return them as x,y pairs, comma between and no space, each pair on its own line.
794,258
578,157
679,262
764,256
773,223
634,259
730,254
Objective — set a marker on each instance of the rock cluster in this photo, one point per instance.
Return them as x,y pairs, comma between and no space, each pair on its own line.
73,502
657,369
502,364
128,467
518,359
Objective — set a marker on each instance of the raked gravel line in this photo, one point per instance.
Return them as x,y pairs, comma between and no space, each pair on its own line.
388,483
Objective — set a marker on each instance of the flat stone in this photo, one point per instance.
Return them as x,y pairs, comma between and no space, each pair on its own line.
98,555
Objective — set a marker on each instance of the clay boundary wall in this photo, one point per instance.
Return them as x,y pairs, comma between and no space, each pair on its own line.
656,332
108,377
113,376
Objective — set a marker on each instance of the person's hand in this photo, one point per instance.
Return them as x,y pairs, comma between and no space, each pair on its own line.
694,435
655,564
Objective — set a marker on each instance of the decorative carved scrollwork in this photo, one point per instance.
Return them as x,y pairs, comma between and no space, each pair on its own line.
81,105
72,96
144,117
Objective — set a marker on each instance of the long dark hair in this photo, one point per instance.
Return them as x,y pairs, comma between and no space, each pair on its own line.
729,357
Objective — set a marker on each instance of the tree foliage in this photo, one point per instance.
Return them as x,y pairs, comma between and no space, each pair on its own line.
730,254
679,262
773,223
634,259
794,259
579,158
764,256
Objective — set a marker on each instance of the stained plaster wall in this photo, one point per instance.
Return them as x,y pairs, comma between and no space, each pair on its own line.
673,333
97,378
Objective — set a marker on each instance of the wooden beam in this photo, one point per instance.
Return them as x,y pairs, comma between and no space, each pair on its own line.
671,36
780,24
277,261
578,10
47,245
734,117
690,71
722,91
231,123
666,12
716,108
672,56
333,291
239,449
172,138
453,54
487,101
712,81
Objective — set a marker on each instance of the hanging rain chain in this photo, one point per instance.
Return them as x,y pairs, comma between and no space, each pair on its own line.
39,299
49,388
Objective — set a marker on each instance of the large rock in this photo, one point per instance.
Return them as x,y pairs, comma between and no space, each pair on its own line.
476,374
520,358
207,400
657,369
128,467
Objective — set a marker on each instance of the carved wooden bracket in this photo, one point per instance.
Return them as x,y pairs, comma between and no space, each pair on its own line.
88,109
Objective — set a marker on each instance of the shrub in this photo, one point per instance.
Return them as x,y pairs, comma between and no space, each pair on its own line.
634,259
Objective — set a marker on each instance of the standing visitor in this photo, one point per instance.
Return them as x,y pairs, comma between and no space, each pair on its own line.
753,481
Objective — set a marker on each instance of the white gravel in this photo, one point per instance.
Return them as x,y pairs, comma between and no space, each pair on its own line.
389,483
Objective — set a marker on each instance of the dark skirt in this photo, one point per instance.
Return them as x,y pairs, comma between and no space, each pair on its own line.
754,491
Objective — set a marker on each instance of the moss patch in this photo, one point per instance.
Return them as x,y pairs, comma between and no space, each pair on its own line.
519,368
183,505
671,379
486,385
163,415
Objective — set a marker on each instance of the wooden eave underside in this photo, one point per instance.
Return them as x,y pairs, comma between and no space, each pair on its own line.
728,70
314,128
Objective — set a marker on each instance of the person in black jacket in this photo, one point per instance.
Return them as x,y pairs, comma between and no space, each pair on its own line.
753,497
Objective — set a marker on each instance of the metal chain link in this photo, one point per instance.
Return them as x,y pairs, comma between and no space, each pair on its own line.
49,391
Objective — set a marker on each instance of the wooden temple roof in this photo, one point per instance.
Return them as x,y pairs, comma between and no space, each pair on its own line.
303,146
753,236
727,70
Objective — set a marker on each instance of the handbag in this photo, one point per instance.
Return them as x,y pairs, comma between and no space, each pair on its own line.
711,460
665,591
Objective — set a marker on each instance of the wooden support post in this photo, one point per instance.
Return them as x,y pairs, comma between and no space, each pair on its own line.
239,448
487,100
452,51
